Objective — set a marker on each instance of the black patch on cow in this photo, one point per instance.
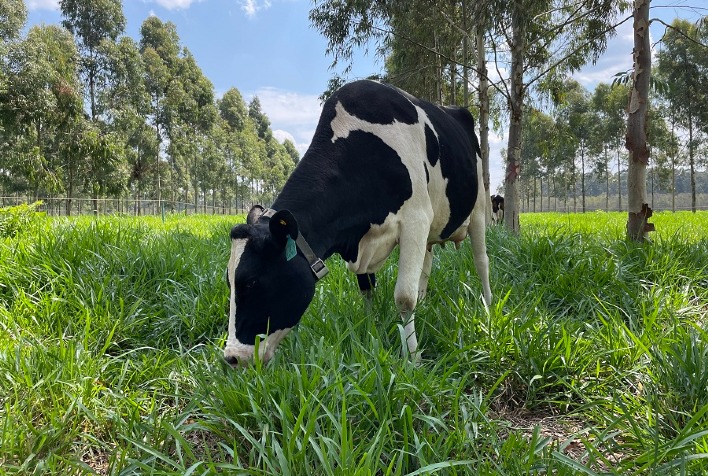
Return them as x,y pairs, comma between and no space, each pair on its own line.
432,147
376,103
427,174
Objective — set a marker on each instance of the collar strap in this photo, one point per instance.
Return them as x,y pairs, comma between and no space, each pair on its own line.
316,264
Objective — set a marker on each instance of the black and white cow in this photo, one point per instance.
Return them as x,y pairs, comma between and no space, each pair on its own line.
497,209
383,169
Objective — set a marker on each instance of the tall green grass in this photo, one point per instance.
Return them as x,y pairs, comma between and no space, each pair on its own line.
593,359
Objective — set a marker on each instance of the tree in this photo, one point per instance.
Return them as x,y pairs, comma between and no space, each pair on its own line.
260,120
539,140
93,22
636,140
159,46
127,105
42,109
683,64
579,121
609,103
13,15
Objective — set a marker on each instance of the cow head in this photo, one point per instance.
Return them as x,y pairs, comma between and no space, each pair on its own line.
271,284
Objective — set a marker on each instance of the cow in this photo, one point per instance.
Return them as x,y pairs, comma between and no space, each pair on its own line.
497,209
383,169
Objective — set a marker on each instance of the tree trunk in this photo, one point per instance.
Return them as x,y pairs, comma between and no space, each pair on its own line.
582,176
692,164
607,181
484,119
619,183
516,100
636,139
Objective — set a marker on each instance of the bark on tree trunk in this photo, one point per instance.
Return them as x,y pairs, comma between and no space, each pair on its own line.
484,119
582,177
636,139
516,99
619,183
692,165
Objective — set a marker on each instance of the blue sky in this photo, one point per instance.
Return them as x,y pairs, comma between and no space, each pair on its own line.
268,48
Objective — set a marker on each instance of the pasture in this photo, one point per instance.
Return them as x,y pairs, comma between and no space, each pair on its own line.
593,359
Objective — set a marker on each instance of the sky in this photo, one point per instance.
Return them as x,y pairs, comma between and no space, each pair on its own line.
267,48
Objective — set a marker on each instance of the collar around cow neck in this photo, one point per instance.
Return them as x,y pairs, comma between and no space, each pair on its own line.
316,264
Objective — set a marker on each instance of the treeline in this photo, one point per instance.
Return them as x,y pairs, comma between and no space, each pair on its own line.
86,111
576,148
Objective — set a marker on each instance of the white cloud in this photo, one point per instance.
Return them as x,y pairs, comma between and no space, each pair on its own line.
42,4
251,7
282,136
292,115
176,4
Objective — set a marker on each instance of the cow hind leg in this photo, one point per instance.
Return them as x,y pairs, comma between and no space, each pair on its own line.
367,283
476,230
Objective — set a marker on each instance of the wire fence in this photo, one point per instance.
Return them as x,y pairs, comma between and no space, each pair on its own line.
63,206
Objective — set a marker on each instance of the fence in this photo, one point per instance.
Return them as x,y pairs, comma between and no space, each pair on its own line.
124,206
59,206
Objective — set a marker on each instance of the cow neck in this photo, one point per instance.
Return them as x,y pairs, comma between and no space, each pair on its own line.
319,269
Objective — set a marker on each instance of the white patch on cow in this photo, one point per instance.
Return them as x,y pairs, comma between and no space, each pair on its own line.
245,352
237,247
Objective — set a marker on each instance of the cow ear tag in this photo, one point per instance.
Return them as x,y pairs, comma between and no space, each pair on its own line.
290,249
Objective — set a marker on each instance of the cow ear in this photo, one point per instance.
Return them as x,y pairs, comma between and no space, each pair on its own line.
254,214
283,226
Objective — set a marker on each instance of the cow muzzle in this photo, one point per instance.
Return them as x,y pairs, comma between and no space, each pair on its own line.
238,354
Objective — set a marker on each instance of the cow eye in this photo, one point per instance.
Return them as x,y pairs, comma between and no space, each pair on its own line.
248,286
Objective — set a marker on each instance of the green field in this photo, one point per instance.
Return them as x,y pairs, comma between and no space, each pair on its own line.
593,360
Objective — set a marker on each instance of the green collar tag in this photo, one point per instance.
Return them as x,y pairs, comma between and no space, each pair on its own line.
290,249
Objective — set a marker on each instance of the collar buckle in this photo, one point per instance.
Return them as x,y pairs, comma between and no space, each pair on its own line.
318,267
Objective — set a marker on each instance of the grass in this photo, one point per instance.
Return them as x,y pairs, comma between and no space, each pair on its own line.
593,360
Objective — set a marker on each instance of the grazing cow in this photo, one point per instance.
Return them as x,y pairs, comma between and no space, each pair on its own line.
497,209
383,169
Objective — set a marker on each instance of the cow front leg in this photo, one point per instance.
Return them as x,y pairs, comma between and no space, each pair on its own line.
410,267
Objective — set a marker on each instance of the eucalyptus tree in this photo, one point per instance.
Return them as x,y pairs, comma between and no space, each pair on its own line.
13,15
93,22
579,119
609,103
683,64
159,47
292,151
96,25
42,109
127,107
636,138
539,140
192,99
